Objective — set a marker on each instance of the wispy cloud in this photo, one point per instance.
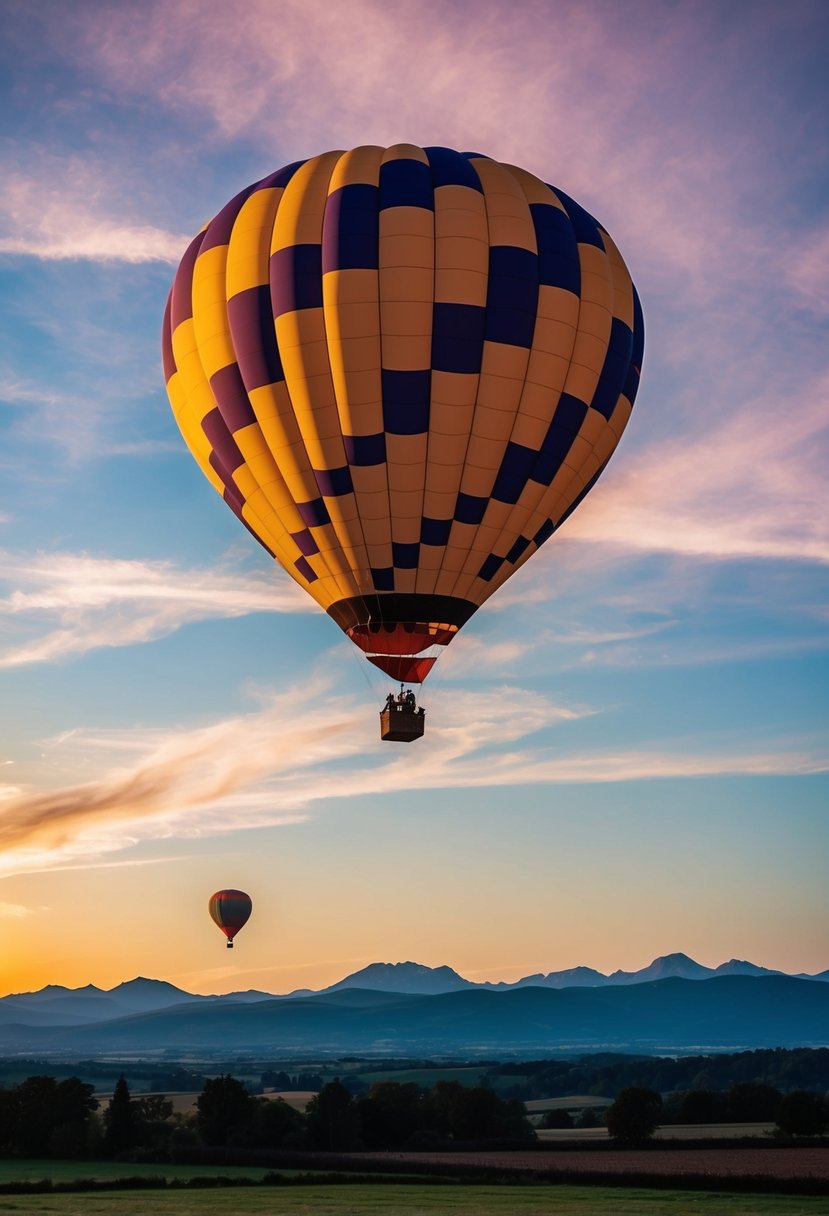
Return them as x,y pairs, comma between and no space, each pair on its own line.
220,973
132,863
17,911
178,786
70,603
428,73
744,488
79,427
808,272
490,655
481,656
305,747
61,212
680,652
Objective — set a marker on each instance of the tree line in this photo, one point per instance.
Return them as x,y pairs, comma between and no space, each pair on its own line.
639,1110
43,1117
605,1074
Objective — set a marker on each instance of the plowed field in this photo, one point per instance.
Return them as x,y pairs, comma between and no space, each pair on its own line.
756,1162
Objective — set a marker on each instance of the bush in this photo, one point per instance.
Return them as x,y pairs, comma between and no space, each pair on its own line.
635,1114
801,1114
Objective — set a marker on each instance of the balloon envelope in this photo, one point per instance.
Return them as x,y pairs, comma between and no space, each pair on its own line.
230,910
402,368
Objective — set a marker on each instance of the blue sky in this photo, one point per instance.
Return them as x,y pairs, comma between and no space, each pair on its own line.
626,748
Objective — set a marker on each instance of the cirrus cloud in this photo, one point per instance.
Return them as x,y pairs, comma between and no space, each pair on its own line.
63,211
70,603
304,747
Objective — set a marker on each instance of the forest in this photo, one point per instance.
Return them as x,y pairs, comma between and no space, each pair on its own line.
47,1116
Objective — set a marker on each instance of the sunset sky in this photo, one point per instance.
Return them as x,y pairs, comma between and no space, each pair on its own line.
626,749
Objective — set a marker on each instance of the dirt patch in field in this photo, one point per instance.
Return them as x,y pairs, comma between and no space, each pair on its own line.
297,1098
765,1162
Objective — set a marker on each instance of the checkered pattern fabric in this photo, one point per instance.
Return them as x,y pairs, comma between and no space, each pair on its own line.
402,368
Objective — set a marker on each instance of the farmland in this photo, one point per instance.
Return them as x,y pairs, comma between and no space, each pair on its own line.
414,1200
766,1162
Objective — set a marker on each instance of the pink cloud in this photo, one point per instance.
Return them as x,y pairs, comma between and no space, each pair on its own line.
60,210
748,487
566,91
808,272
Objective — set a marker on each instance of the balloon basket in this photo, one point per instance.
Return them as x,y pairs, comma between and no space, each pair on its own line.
401,725
230,945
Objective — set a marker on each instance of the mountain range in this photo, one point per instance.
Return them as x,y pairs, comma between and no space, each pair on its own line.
413,977
674,1003
56,1005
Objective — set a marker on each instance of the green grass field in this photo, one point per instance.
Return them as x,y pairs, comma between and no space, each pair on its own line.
412,1200
67,1171
570,1102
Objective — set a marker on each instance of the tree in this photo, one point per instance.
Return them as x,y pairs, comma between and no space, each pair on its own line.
277,1125
390,1114
153,1108
276,1080
558,1119
225,1110
801,1114
476,1113
311,1081
333,1118
35,1115
635,1114
154,1115
120,1120
701,1106
750,1102
53,1117
9,1118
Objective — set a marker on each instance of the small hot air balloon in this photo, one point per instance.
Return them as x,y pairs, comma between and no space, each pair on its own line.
230,910
402,368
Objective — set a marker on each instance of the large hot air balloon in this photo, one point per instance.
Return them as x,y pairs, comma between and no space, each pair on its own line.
230,910
402,368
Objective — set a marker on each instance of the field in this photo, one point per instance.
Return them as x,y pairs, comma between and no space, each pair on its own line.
537,1106
184,1103
772,1163
67,1171
671,1131
412,1200
381,1195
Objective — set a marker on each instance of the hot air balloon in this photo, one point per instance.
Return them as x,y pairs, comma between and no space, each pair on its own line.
230,910
402,368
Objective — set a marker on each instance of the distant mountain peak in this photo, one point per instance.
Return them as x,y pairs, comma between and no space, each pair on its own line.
740,966
141,982
405,977
667,966
140,995
61,988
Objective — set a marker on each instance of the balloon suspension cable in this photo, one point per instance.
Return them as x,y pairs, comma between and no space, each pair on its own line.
359,659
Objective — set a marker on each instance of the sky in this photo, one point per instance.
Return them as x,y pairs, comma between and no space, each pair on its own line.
626,750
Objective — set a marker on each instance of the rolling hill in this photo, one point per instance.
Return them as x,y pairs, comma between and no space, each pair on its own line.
673,1014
